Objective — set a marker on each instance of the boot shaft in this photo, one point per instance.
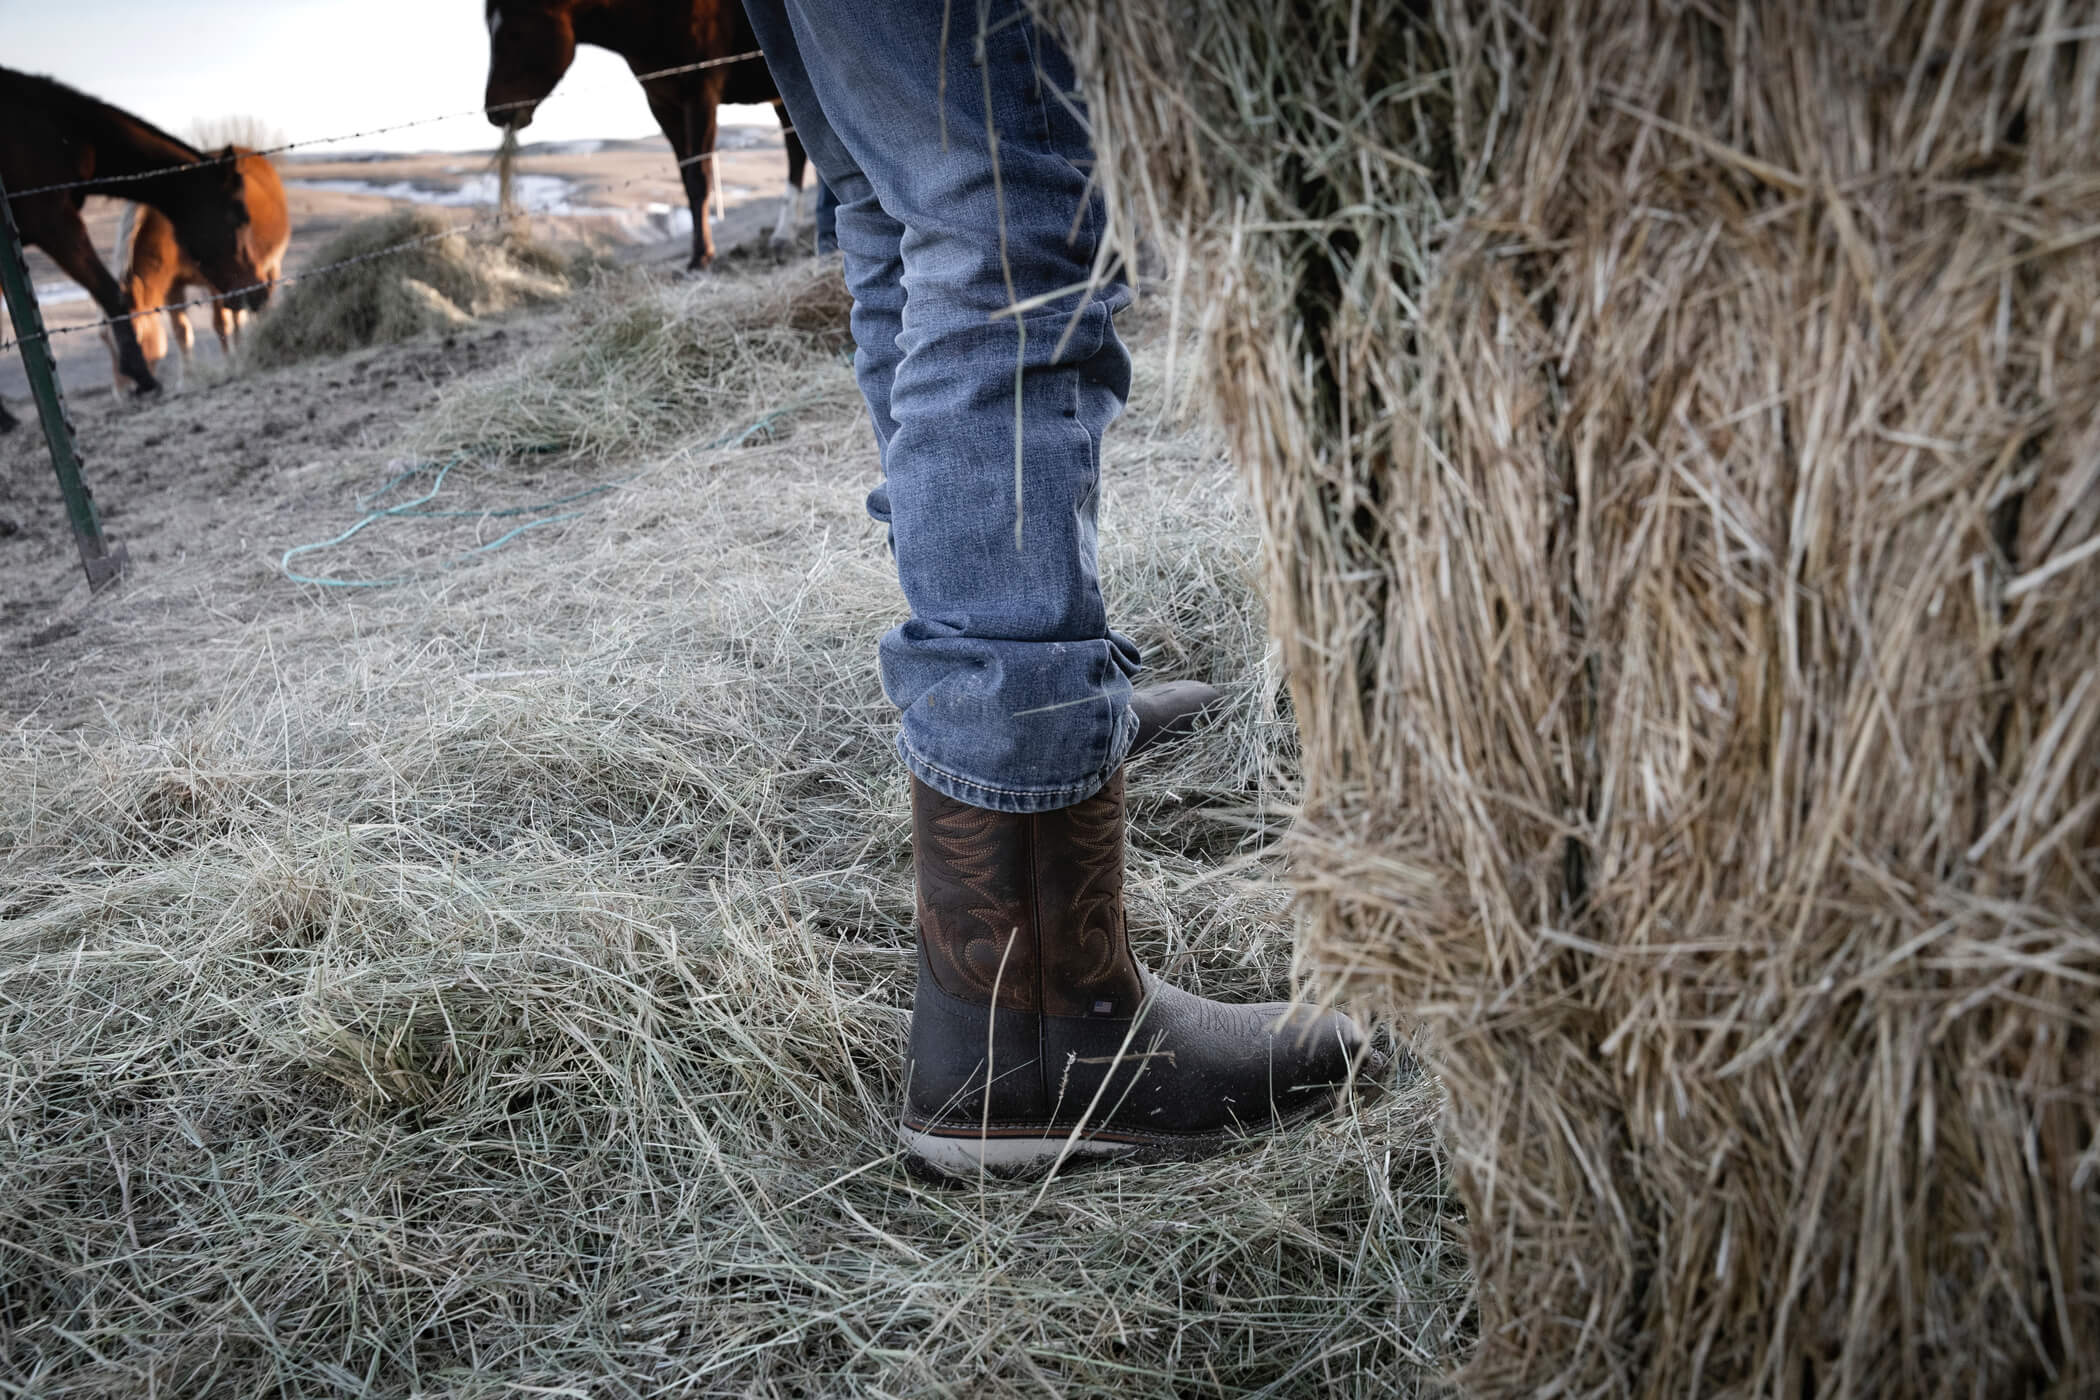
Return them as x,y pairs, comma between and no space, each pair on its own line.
1024,911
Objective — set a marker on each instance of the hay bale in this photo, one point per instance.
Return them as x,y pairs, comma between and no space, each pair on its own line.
440,280
1675,433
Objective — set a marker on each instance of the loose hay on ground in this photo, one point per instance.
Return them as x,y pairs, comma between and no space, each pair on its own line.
440,281
498,984
639,373
1675,434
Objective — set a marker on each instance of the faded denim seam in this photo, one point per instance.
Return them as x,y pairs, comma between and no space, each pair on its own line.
1079,791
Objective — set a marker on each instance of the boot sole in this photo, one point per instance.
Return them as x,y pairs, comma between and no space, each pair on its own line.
937,1153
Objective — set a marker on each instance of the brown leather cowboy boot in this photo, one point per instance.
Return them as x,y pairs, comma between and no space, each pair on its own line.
1169,712
1035,1034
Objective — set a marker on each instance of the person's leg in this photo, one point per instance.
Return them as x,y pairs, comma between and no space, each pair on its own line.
1015,694
875,272
1034,1029
868,238
827,218
874,269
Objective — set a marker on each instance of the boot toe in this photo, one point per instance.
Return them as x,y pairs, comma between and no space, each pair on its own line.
1231,1058
1170,712
1332,1050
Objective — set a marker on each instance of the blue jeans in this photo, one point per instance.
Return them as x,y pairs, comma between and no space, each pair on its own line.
827,218
1015,694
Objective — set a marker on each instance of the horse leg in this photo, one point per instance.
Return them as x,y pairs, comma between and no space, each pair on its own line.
669,112
791,201
146,326
696,119
185,337
65,241
227,322
701,130
8,422
116,363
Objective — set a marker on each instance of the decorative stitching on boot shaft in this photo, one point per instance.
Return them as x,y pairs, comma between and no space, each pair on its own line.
1085,957
1042,891
971,916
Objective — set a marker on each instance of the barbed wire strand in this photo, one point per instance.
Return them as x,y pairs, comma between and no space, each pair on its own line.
210,161
459,230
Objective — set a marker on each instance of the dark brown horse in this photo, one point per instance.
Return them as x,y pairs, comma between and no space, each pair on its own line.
50,134
532,42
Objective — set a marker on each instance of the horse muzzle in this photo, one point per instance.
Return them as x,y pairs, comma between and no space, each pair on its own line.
513,118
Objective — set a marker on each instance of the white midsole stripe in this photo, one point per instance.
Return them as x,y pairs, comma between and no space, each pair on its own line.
967,1155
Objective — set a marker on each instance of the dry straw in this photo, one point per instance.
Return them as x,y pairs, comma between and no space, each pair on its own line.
1674,430
433,283
497,985
636,367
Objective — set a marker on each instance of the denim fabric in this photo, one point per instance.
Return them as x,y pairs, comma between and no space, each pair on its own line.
827,218
960,168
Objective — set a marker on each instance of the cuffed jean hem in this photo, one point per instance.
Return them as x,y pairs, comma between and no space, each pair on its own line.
1019,800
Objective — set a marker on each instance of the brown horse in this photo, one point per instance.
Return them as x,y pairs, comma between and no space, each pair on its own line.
50,134
157,271
532,42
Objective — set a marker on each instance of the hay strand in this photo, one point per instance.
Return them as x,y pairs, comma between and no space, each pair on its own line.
507,172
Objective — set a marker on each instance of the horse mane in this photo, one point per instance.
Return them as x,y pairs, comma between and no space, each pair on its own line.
40,90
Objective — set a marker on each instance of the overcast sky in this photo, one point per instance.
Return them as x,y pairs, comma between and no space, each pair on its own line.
310,67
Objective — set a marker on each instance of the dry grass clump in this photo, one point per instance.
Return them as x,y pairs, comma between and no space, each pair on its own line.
1675,434
497,985
635,374
441,282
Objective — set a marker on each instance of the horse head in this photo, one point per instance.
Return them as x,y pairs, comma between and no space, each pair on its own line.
210,214
531,44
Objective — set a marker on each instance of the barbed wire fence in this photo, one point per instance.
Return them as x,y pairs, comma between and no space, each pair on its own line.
499,220
483,111
33,338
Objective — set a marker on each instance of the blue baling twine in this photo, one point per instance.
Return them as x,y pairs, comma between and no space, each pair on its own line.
412,510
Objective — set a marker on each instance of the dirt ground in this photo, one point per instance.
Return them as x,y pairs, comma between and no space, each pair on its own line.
262,461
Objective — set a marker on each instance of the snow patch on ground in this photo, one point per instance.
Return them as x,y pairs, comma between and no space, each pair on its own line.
535,194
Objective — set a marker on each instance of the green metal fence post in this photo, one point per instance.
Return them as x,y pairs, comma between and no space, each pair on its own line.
102,562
